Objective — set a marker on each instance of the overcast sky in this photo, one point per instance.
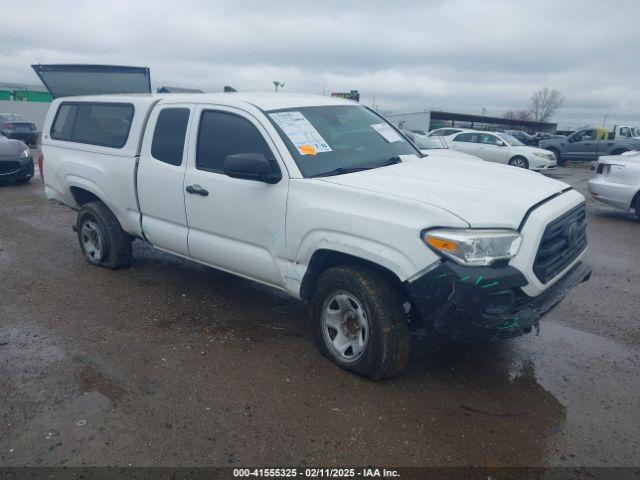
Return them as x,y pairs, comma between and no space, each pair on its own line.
457,55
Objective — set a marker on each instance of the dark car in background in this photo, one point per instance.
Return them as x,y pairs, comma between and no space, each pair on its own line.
13,126
524,137
16,162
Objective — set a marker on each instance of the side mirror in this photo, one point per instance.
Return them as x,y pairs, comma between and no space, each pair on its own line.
251,166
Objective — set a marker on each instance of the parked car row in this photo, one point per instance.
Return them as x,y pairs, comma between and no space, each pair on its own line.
591,143
496,147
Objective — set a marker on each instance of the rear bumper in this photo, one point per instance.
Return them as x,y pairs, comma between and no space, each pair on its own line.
474,304
617,195
30,138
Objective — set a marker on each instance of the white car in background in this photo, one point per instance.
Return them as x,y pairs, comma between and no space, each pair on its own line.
436,147
444,132
617,182
502,148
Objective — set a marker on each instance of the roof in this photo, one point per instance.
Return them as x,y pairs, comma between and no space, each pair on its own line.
261,100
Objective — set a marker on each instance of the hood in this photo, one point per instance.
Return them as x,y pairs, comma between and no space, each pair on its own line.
481,193
450,154
10,149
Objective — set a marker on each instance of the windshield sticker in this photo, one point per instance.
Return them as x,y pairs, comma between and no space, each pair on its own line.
308,150
388,133
301,133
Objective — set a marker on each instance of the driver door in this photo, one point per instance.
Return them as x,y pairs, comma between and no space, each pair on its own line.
583,145
234,224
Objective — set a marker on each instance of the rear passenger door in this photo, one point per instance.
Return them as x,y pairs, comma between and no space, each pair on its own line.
160,177
236,225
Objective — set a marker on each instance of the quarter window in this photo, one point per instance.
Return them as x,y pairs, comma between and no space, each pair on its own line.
103,124
169,134
222,134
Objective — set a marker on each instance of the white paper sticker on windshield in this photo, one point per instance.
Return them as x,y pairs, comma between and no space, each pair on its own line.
302,134
388,133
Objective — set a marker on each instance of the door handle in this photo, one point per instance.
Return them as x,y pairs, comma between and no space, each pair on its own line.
197,190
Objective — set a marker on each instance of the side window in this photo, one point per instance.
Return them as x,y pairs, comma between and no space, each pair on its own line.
222,134
62,127
489,139
584,135
169,135
104,124
467,137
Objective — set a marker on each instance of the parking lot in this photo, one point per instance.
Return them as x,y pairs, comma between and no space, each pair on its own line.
172,363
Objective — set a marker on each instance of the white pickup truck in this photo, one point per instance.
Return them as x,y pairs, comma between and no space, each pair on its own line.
324,199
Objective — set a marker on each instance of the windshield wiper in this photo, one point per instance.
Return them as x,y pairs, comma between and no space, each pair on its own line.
343,170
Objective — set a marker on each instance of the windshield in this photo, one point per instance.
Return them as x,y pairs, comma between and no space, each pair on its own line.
513,141
338,137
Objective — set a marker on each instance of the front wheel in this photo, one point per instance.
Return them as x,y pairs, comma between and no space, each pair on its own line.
636,206
359,321
519,162
102,240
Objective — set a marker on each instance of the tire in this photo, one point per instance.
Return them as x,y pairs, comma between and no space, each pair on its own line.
374,316
101,238
22,181
520,162
636,205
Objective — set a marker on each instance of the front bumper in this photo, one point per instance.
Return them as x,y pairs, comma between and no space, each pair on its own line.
23,170
474,304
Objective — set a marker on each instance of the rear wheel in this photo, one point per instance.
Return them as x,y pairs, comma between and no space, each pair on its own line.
519,162
102,240
359,321
636,205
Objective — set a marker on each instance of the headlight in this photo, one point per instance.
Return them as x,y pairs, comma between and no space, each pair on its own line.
26,153
474,247
546,156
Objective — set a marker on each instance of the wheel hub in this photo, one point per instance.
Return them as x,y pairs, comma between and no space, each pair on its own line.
345,326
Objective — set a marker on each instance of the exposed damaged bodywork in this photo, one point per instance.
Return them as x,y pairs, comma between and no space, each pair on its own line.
473,304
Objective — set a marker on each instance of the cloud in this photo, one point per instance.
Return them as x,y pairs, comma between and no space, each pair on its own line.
459,55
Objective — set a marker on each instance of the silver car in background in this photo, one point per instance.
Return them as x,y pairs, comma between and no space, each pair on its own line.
617,182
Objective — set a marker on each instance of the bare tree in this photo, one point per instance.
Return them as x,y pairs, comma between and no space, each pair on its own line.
544,104
517,115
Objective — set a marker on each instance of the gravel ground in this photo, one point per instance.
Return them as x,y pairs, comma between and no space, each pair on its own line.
169,363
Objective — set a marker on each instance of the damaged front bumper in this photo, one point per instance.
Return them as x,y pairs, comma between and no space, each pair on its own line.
474,304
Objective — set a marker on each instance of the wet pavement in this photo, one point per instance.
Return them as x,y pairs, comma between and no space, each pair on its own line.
171,363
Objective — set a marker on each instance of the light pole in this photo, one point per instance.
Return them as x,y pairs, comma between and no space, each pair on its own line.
605,120
278,84
484,110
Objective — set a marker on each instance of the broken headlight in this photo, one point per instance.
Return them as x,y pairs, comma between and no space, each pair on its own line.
474,247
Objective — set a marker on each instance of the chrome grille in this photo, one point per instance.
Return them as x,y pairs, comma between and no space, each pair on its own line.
563,241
